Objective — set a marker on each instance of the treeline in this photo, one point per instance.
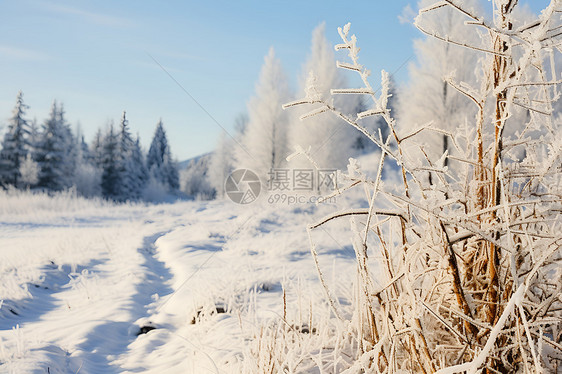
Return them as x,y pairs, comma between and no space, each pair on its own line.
53,158
264,136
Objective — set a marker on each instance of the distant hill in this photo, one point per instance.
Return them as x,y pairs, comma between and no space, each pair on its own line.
185,163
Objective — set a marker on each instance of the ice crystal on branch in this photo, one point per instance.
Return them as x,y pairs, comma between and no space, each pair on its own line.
468,244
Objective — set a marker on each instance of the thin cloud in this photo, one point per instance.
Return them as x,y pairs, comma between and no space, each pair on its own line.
22,54
408,15
93,17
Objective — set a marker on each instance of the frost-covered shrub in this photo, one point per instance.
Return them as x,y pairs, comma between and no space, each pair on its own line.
87,180
155,191
469,268
29,171
15,203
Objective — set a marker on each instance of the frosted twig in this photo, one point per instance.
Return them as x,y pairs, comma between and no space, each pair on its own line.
353,91
355,213
464,45
440,319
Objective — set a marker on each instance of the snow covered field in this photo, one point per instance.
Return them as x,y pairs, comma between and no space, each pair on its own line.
79,279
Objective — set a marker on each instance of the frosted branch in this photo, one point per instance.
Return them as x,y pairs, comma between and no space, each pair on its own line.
354,91
315,112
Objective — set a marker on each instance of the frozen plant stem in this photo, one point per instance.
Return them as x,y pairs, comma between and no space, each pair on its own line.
480,241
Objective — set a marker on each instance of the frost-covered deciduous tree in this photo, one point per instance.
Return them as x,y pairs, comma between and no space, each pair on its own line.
194,178
29,171
15,145
87,179
264,142
428,98
159,161
329,139
221,163
469,266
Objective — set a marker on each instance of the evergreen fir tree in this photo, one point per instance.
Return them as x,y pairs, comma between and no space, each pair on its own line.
159,160
34,137
15,145
110,163
171,172
126,180
138,173
82,149
96,149
70,154
52,152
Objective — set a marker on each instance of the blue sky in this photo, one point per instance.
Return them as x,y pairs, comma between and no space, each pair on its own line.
95,57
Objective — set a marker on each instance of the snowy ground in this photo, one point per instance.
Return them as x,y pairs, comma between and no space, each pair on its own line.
79,279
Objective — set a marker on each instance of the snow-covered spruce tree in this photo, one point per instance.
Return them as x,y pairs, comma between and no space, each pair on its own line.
468,268
15,145
110,178
159,161
96,149
127,178
264,143
137,172
329,139
82,149
71,150
34,136
87,178
56,153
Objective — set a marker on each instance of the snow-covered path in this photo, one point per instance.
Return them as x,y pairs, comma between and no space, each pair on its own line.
77,285
72,288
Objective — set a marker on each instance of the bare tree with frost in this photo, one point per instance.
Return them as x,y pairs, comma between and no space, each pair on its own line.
264,141
328,139
428,98
29,171
470,275
220,164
